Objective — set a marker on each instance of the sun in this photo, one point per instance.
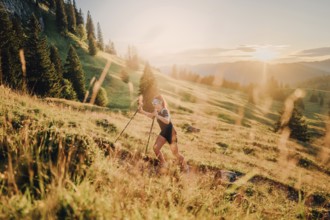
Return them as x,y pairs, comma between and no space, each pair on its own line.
264,54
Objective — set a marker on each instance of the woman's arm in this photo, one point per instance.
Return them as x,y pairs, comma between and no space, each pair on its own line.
150,115
163,119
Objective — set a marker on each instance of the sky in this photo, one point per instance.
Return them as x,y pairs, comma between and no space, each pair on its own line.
167,32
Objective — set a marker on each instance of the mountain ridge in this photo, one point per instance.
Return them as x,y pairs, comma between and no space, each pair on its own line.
246,72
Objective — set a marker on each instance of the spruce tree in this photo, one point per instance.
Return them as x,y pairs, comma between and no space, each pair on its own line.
80,18
90,29
148,88
81,31
67,90
11,67
296,124
41,76
18,32
110,48
56,60
61,17
5,36
74,73
92,48
100,42
113,49
71,15
75,9
101,98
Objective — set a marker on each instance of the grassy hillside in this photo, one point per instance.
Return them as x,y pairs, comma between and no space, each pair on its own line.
76,180
58,159
318,83
92,66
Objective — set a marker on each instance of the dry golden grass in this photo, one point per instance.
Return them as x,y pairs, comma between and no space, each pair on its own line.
233,136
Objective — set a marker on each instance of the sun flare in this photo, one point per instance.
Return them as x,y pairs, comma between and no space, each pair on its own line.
264,54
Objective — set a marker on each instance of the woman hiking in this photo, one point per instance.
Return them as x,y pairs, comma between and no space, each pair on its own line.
167,134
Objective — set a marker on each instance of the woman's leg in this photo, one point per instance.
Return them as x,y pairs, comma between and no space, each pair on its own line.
157,146
175,151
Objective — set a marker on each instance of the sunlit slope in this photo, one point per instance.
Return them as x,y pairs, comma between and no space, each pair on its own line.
237,134
251,150
118,92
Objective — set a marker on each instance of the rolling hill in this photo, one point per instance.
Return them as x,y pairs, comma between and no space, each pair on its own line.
246,72
88,178
58,159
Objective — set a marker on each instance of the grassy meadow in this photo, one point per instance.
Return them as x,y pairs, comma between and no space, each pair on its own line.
59,161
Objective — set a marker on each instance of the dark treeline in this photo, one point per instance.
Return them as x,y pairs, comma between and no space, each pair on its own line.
28,64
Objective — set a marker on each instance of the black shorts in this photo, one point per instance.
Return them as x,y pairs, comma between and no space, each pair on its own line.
169,133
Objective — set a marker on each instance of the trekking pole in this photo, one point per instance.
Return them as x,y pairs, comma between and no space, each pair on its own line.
152,124
126,126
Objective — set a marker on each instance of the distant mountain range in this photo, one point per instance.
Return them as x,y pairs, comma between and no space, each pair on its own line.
246,72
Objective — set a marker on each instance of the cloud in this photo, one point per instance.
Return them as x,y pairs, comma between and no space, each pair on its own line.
166,59
248,49
315,52
212,55
202,52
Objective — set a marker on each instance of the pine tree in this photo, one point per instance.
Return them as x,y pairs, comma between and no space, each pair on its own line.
75,9
80,18
74,73
110,48
71,14
81,31
101,98
100,42
56,60
5,36
67,91
11,67
18,32
113,49
61,17
90,26
41,76
92,48
148,88
296,124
